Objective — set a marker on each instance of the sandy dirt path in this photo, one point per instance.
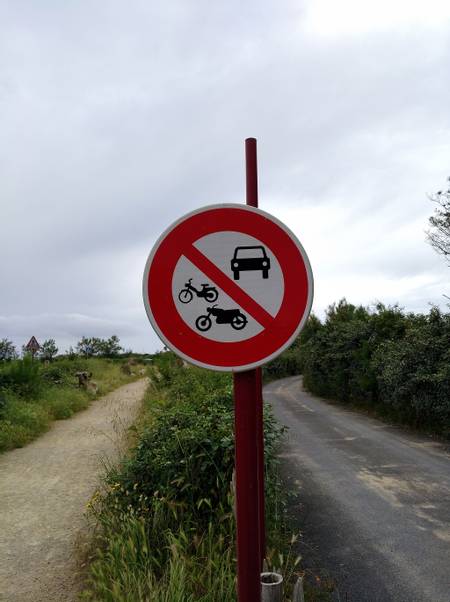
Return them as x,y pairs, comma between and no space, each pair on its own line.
44,489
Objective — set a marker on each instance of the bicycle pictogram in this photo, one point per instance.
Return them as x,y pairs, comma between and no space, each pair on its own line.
207,292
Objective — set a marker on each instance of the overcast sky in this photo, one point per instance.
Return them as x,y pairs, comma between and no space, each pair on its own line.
118,117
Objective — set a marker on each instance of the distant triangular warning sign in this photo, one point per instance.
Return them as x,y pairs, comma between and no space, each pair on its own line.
32,345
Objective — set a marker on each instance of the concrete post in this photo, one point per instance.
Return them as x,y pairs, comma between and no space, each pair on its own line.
298,595
271,587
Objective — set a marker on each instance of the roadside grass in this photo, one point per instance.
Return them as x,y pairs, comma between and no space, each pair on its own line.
140,561
61,403
33,395
164,518
109,374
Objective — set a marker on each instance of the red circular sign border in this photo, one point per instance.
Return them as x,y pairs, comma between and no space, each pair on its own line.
228,356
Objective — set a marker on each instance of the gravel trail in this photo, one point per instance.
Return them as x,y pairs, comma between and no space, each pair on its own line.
44,489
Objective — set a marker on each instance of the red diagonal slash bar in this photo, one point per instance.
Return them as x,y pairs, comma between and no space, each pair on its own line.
228,286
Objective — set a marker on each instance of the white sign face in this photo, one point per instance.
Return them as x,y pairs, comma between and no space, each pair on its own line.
207,308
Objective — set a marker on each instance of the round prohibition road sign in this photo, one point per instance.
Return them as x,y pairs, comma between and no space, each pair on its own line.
228,287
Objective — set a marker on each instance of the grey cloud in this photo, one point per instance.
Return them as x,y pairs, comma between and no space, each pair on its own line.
116,120
67,329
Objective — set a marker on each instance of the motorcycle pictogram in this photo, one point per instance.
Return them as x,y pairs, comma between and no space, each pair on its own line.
234,317
207,292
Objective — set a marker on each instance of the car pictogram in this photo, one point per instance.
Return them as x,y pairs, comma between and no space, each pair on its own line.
247,259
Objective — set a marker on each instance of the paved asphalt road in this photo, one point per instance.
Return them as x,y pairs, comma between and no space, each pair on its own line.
373,501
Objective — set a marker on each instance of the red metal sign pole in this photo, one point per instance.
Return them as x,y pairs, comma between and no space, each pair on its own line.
246,459
252,200
248,437
260,453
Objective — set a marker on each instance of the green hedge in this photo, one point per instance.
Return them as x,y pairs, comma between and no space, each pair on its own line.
396,362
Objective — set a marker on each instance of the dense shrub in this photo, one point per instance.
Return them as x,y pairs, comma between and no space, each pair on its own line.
48,350
22,377
186,456
286,364
289,363
3,402
413,372
7,350
187,452
166,365
398,363
62,371
94,346
54,374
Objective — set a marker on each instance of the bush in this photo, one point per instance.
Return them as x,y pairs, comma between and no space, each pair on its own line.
95,346
286,364
30,416
187,457
21,422
397,363
21,376
290,362
414,373
7,350
62,403
12,435
167,512
48,350
55,374
3,402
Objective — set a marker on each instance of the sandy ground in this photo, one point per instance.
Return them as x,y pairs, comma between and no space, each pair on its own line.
44,489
